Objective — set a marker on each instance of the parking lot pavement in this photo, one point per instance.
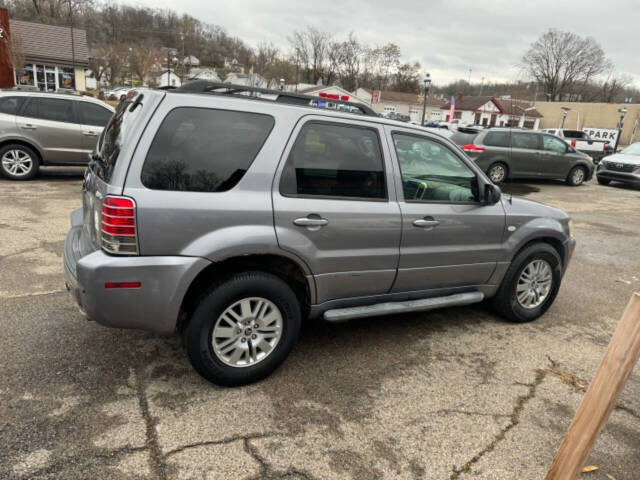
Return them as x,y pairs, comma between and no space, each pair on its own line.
451,394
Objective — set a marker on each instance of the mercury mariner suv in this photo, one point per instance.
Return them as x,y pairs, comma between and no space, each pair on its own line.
229,214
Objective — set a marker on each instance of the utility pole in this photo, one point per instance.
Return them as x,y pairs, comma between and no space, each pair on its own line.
481,85
427,83
73,50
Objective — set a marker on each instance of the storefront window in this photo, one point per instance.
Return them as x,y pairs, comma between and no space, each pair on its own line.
25,77
66,78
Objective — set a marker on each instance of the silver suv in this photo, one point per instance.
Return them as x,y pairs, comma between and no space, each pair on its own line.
230,217
47,129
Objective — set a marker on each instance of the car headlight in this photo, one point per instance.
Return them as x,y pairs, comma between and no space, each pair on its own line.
571,228
590,159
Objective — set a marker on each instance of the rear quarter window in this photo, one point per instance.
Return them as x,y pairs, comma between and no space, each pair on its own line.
497,139
204,150
460,138
11,105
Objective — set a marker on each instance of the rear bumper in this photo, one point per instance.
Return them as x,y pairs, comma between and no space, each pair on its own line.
154,306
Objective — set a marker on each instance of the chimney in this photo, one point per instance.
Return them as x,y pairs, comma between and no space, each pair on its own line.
459,98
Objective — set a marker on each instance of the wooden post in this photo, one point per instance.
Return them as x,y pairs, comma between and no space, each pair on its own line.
601,395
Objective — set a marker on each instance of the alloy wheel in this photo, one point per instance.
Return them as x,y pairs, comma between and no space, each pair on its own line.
17,162
534,284
578,176
497,173
247,332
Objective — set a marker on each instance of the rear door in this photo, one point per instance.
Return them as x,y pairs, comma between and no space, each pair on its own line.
93,118
51,124
449,238
526,154
335,206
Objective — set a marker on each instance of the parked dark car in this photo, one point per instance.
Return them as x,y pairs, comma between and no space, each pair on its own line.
621,167
515,153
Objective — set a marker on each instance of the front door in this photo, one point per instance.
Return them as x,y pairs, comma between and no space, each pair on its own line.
449,239
93,118
555,161
50,124
335,207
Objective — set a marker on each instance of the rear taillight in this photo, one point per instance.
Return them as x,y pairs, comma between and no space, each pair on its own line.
573,143
470,147
119,234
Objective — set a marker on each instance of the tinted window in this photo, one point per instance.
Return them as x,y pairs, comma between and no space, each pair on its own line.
573,134
204,150
432,172
31,110
11,105
552,132
91,114
553,144
497,139
461,138
55,109
335,161
524,140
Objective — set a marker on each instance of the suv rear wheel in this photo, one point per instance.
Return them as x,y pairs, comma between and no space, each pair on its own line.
576,176
243,329
497,172
18,162
530,285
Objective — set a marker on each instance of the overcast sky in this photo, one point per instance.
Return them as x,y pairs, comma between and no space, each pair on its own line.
448,37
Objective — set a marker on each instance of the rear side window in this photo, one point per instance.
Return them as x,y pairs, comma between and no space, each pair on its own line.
334,160
91,114
573,134
11,105
204,150
524,140
497,139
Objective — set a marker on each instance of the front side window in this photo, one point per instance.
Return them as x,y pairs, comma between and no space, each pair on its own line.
11,105
204,150
553,144
335,161
524,140
91,114
433,173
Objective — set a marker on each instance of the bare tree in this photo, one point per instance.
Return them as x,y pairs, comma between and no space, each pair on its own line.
143,58
388,61
115,58
15,52
563,62
613,87
407,78
352,56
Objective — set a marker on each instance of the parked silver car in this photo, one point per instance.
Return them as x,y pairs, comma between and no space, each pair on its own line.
621,167
230,219
47,129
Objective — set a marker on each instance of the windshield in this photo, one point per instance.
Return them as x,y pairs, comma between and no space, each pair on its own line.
633,149
114,136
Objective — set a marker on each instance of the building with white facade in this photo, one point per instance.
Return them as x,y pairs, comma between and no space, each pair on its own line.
489,111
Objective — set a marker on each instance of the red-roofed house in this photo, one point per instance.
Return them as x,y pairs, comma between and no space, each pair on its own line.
386,101
485,110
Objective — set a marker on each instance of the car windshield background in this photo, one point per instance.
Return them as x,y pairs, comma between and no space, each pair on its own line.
335,161
204,150
553,144
633,149
524,140
432,173
91,114
497,139
11,105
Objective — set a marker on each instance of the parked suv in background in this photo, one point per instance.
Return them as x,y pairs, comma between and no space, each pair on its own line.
47,129
229,219
514,153
621,167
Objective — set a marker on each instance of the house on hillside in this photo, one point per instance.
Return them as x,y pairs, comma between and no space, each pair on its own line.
386,101
168,78
345,95
489,111
204,74
247,79
52,60
190,62
233,65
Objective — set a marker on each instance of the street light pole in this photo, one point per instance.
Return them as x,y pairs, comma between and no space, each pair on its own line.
565,112
427,83
622,111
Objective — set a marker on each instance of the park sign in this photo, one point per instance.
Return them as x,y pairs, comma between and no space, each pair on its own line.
607,134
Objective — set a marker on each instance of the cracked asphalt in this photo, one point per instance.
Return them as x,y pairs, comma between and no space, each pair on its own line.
450,394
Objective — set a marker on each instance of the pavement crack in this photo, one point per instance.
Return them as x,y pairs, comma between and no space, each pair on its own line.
156,461
19,252
515,419
471,413
222,441
265,470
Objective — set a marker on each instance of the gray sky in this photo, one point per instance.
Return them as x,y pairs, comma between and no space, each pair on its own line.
448,37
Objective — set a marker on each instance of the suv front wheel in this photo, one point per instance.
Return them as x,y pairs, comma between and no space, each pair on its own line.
18,162
576,176
243,329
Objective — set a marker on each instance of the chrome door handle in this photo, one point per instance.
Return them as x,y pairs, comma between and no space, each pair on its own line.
28,126
426,222
90,134
310,222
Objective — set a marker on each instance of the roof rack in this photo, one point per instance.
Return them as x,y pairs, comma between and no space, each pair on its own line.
216,88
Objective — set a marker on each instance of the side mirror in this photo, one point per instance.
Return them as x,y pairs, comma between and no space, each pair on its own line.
491,194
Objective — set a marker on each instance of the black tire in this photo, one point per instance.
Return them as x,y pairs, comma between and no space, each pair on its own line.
498,172
197,335
505,301
24,150
603,181
576,176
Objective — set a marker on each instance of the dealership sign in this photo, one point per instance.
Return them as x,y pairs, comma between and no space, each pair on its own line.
606,134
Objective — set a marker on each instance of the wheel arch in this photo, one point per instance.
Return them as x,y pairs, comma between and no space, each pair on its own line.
7,141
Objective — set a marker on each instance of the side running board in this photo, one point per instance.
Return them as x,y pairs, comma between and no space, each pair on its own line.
392,308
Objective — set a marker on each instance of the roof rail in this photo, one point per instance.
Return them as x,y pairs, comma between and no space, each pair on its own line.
216,88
